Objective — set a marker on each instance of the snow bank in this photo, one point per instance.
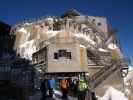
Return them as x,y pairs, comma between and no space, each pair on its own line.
113,94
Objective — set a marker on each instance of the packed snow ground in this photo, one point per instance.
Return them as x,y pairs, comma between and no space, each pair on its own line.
113,94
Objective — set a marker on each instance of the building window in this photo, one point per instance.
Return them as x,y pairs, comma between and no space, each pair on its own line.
62,53
69,55
99,24
93,20
55,55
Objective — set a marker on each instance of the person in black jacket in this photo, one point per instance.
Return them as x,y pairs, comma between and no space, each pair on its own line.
43,89
94,96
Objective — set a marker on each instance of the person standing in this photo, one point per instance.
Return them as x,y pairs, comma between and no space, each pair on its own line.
51,87
43,89
93,96
82,88
64,85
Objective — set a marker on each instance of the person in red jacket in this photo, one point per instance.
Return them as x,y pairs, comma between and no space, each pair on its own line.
64,85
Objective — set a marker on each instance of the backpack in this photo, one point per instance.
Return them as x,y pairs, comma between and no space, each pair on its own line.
82,85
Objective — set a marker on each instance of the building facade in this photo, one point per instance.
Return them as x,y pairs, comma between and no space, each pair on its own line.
73,43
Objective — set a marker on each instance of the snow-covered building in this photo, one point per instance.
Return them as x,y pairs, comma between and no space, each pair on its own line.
73,43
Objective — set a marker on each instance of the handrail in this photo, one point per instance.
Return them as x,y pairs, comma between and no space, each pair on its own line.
101,75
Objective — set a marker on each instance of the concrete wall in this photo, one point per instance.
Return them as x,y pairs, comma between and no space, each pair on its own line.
77,63
102,20
103,27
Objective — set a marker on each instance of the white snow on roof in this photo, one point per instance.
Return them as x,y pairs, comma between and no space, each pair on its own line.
52,33
102,50
27,49
23,30
83,26
113,94
82,46
112,46
50,19
80,35
27,23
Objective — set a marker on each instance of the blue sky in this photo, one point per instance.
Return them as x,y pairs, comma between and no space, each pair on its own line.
118,12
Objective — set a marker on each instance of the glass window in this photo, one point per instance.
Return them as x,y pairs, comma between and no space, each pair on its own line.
93,20
68,55
62,53
55,55
99,24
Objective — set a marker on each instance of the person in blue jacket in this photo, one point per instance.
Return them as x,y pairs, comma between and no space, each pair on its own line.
51,87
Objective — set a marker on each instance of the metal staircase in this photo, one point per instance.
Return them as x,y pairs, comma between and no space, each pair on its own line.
100,58
106,71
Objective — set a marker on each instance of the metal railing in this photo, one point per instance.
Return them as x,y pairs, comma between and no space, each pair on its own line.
106,71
